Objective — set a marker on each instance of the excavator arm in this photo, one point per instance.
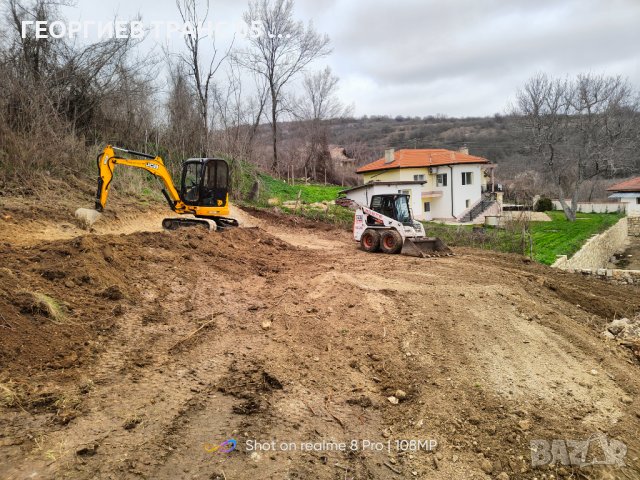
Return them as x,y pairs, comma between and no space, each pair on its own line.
107,161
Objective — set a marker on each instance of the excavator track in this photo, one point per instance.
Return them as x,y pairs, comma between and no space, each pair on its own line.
175,223
224,222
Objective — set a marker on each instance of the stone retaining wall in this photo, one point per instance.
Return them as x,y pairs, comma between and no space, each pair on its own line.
595,254
634,226
615,275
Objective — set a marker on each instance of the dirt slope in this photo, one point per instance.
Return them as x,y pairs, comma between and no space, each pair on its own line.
150,347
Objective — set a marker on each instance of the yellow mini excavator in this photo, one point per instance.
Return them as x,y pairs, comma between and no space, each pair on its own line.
203,198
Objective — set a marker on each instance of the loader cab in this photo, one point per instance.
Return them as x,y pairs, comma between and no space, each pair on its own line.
395,206
205,182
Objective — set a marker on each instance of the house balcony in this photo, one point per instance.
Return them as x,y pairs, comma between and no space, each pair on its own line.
492,188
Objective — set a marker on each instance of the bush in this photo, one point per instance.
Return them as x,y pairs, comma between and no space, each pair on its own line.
544,204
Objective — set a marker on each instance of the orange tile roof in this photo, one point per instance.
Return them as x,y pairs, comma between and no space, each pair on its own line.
427,157
632,185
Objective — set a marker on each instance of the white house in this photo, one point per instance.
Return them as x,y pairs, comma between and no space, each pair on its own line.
628,194
443,184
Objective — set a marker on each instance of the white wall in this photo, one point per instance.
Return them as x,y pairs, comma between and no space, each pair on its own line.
461,193
593,207
633,209
441,207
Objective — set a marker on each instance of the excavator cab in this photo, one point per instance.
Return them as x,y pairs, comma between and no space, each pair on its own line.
205,182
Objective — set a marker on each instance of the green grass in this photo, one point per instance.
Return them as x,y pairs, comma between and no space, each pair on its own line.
545,239
312,193
509,240
271,188
335,214
561,237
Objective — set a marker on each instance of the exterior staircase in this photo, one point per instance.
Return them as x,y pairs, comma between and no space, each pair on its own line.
486,201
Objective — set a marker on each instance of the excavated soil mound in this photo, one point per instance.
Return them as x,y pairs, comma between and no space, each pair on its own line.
55,297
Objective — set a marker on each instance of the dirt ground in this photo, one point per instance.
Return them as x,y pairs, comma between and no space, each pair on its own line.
629,259
130,352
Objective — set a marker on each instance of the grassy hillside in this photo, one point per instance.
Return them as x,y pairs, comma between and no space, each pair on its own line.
315,200
311,193
561,237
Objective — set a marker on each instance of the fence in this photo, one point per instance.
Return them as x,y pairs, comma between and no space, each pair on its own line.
593,207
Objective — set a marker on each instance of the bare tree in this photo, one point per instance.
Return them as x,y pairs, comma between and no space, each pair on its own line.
315,108
200,73
239,112
320,101
184,121
578,129
278,53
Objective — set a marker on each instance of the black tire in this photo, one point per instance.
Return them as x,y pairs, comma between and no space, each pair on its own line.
390,241
370,240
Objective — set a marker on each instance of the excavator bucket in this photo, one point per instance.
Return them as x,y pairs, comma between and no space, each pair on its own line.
87,216
425,247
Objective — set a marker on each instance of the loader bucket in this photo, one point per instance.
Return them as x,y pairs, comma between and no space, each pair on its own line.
425,247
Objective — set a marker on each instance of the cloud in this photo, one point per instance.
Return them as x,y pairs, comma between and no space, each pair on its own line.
475,54
457,57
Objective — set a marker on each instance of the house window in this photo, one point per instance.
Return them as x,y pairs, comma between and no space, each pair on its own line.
419,178
467,178
427,206
467,203
441,180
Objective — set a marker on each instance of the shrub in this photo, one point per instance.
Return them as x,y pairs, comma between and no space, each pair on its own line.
544,204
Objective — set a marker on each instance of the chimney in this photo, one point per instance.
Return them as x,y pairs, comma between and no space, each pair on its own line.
389,155
464,149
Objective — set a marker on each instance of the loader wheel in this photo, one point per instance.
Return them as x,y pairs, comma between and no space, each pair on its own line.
370,240
390,241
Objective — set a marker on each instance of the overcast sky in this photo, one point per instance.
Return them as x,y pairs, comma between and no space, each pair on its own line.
427,57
